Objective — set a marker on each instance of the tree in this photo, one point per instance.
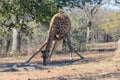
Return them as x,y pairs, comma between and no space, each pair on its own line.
90,8
117,1
110,24
18,12
4,39
90,11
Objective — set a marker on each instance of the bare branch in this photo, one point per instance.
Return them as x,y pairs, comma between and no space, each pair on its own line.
95,9
117,1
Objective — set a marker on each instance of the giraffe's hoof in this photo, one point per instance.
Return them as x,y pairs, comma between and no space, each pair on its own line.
49,60
26,61
44,64
71,58
82,57
17,65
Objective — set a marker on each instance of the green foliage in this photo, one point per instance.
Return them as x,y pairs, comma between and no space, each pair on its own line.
111,20
44,11
39,10
76,3
19,13
1,32
111,24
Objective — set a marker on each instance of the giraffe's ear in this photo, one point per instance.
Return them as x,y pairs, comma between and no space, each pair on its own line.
42,51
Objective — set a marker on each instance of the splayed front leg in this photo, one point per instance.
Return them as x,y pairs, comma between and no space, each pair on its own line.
52,49
67,36
81,57
71,57
36,52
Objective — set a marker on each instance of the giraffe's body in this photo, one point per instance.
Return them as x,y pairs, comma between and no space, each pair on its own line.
60,26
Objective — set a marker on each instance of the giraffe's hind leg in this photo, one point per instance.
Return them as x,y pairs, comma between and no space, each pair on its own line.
52,49
64,45
67,36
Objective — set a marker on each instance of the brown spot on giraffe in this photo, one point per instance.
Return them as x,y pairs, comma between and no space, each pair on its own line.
60,27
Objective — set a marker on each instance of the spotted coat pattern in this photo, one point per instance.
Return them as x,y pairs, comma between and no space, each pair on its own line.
60,26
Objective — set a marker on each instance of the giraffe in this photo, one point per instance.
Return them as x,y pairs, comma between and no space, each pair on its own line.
59,29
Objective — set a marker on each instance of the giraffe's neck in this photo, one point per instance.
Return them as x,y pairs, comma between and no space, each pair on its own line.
50,39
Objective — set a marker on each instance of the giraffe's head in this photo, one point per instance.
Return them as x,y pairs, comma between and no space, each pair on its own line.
45,55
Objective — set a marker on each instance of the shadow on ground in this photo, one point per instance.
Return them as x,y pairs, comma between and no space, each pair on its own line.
24,66
12,67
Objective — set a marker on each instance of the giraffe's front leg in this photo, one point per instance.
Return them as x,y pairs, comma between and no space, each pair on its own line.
71,57
36,52
67,36
52,49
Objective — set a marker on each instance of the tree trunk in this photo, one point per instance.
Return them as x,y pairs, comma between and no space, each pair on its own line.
19,41
88,31
15,40
16,44
88,35
7,45
8,42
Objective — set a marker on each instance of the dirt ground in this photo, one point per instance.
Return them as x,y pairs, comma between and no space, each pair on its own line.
95,66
